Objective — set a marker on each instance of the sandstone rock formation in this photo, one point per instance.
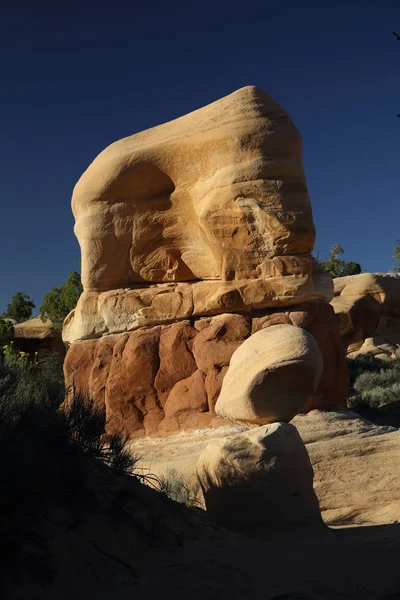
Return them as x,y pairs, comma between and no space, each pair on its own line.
270,376
356,463
203,215
356,467
368,309
179,226
259,481
159,380
34,335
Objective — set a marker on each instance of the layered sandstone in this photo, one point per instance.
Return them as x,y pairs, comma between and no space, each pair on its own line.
368,309
194,235
162,379
356,467
202,215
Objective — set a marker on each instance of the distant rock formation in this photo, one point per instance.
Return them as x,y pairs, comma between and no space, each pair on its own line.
179,226
34,335
368,310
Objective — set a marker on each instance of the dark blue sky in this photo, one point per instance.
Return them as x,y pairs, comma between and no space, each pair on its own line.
75,79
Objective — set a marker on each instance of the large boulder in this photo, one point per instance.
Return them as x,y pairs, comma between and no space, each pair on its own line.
368,310
271,376
259,481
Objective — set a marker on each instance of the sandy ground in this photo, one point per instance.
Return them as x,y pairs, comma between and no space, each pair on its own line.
177,453
131,543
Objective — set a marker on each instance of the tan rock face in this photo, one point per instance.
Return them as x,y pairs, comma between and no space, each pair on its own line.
259,481
356,467
160,380
203,215
270,376
368,309
179,226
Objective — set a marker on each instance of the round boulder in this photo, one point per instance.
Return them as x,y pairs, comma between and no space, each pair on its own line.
270,376
259,481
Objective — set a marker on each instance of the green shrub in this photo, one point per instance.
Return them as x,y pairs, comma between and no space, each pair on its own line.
60,301
85,423
6,333
45,452
363,364
376,386
39,381
178,488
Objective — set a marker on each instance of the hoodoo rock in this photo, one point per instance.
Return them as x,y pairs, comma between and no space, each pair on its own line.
270,376
194,235
259,481
203,215
368,310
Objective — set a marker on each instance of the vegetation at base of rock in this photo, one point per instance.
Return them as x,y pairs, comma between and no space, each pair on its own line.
59,302
38,381
178,488
397,256
47,453
6,333
375,384
363,364
337,267
20,308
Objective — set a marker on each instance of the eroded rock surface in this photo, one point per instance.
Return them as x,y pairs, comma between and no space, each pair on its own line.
34,335
368,309
202,215
270,376
179,226
356,467
162,379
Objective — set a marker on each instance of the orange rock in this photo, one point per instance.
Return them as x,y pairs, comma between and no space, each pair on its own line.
163,379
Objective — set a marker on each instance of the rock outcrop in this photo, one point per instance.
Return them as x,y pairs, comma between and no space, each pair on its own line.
356,467
194,235
271,376
368,309
204,215
162,379
259,481
34,335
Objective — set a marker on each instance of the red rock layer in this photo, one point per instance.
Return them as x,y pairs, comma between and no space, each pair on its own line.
163,379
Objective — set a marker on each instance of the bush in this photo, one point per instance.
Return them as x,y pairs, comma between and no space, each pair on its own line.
59,302
39,381
177,488
85,424
6,333
363,364
375,384
45,452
